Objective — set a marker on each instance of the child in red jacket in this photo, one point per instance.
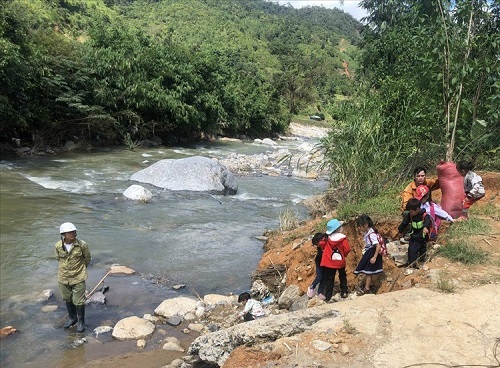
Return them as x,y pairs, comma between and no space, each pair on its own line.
335,250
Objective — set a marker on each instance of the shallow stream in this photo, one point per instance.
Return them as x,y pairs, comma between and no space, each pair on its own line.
204,241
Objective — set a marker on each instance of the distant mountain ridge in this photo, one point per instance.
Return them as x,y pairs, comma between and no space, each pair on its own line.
175,69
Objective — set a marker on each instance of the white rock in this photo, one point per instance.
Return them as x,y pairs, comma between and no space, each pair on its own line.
138,193
305,147
212,299
200,311
49,308
344,349
176,306
321,345
102,329
201,174
150,318
198,327
133,328
269,142
172,347
45,295
117,269
141,343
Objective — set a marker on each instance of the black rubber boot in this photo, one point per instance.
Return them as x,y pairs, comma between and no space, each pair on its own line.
72,315
80,311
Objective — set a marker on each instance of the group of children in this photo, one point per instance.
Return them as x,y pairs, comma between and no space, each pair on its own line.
424,216
332,250
421,215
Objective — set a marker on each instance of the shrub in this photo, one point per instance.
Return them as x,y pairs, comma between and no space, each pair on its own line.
288,219
464,252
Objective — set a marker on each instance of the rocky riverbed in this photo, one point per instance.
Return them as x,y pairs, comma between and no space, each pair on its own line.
410,319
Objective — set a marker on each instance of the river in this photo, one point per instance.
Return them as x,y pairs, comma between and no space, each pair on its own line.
204,241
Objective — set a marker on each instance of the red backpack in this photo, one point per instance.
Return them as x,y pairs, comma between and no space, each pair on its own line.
435,223
383,246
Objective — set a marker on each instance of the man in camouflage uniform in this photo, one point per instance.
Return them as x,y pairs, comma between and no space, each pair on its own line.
73,256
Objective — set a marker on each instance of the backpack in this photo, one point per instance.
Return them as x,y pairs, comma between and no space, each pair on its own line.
383,246
435,223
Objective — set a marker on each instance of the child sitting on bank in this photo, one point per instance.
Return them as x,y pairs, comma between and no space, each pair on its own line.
317,260
371,263
473,186
335,250
252,308
419,223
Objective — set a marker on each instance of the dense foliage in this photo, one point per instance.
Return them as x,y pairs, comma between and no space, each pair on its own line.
125,70
430,91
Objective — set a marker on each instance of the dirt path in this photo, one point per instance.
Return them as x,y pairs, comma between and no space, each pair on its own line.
416,326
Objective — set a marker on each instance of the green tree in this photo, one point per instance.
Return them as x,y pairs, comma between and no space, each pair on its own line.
443,54
431,70
124,70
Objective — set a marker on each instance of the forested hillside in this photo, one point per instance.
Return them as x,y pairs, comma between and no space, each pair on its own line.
118,71
419,82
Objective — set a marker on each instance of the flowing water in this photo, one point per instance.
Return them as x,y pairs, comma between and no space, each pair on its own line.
204,241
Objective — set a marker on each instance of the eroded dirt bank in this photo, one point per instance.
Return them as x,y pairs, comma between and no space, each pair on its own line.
409,321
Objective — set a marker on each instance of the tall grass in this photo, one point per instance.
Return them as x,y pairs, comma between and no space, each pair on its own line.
460,246
464,252
384,204
463,230
444,283
365,154
487,209
288,219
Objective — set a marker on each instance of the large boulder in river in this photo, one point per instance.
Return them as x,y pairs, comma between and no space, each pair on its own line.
200,174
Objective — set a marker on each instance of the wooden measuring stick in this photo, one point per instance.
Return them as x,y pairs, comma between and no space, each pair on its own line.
94,289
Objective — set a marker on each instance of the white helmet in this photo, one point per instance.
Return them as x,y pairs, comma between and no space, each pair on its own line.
67,227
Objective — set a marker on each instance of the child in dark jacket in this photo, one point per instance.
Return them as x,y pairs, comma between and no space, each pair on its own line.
420,223
317,260
335,250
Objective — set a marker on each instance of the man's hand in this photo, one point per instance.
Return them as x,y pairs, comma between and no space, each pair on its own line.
426,231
